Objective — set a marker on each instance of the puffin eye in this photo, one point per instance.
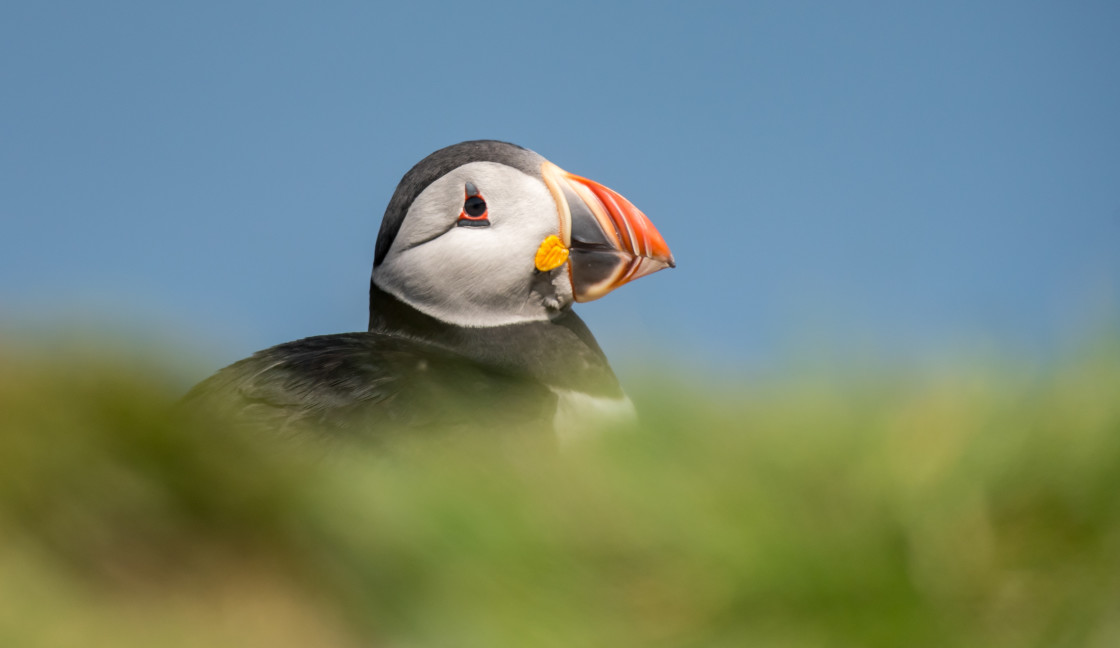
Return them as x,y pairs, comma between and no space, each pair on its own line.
474,212
474,207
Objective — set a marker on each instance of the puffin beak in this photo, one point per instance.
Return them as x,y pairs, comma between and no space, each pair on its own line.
610,241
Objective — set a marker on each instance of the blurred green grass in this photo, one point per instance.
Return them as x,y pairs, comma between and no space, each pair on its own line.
978,505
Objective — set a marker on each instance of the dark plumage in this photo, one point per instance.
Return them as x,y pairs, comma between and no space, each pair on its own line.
411,372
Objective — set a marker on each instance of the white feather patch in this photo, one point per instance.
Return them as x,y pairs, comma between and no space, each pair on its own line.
580,415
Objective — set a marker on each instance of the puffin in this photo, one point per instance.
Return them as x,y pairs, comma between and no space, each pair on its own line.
482,251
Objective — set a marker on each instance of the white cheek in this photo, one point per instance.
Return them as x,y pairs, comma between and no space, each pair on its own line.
475,276
472,260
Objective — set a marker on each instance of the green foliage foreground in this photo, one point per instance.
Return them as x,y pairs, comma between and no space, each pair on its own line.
974,507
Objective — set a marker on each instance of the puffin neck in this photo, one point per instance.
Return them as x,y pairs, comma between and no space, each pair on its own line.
559,353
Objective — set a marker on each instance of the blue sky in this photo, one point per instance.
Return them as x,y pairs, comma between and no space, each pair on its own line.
911,178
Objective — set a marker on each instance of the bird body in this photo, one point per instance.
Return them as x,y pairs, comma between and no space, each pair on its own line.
482,250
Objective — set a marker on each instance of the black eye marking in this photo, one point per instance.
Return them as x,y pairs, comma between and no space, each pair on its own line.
474,212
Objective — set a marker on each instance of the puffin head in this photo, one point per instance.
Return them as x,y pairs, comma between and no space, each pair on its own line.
486,233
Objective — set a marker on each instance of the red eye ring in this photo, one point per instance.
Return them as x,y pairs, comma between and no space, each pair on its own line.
475,212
